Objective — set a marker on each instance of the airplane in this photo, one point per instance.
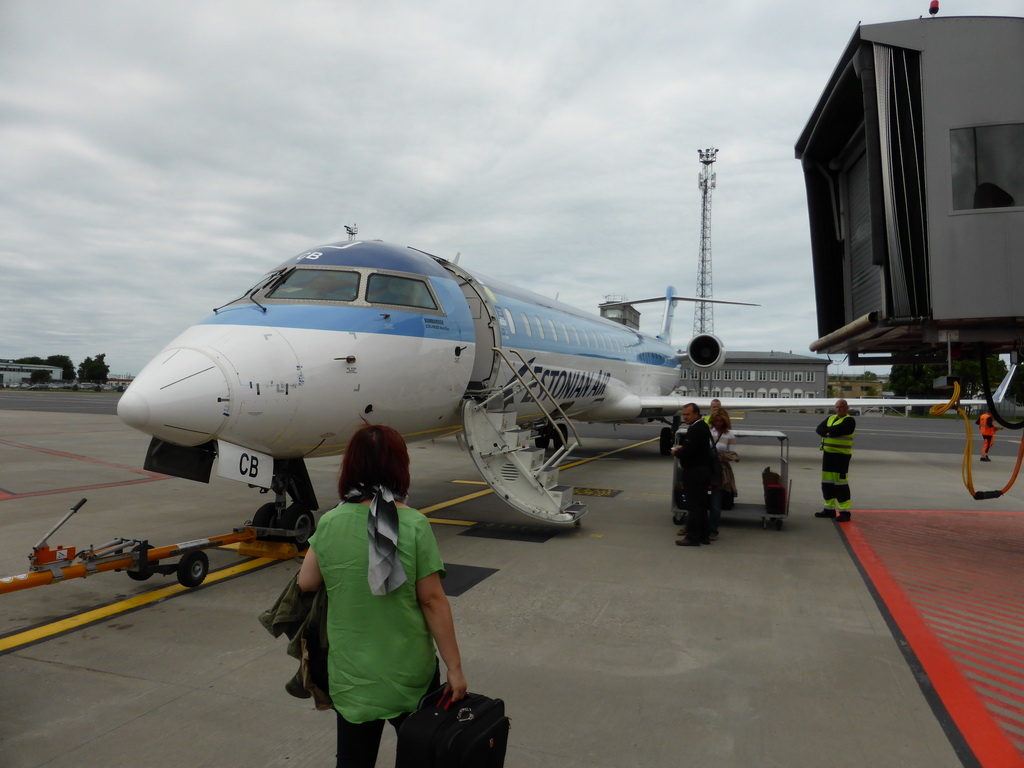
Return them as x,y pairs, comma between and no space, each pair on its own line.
363,330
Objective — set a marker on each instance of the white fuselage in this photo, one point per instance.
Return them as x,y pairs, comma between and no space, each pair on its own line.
293,378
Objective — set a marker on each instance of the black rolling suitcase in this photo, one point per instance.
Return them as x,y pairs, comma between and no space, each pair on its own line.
471,733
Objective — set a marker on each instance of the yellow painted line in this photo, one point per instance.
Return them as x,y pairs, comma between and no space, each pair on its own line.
82,619
478,494
469,482
446,521
74,622
438,433
452,503
610,453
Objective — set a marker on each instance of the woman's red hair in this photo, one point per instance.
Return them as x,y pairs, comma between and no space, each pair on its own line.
376,455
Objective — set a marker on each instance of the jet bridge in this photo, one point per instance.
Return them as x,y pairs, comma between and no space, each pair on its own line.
913,161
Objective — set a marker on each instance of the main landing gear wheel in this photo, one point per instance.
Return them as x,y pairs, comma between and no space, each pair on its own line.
192,568
546,433
563,435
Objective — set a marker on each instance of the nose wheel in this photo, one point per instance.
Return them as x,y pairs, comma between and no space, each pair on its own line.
295,524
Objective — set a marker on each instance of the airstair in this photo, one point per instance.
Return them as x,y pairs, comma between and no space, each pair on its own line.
507,455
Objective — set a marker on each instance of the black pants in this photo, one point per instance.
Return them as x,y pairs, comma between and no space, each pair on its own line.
358,743
835,485
695,482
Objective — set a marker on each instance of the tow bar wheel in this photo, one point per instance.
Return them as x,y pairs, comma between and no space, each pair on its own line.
192,568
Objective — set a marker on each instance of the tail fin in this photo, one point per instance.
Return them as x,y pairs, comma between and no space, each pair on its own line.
666,319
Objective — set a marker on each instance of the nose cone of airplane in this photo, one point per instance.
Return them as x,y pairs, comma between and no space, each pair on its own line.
181,397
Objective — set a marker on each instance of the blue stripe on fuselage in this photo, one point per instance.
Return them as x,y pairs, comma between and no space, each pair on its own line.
455,324
347,319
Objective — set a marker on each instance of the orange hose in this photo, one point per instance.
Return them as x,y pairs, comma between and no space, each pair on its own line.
966,466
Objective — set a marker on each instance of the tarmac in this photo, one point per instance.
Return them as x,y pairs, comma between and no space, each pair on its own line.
611,646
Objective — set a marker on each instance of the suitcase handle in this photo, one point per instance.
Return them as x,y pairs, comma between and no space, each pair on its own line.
441,703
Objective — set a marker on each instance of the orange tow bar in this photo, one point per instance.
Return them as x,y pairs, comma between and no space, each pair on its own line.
134,556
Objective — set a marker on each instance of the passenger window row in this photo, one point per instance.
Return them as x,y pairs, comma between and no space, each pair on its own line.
569,334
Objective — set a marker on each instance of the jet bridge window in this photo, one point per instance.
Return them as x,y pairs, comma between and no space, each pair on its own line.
403,291
318,284
988,166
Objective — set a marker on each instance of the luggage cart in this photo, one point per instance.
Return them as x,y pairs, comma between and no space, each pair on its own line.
768,509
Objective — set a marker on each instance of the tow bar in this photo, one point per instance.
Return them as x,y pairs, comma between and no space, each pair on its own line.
134,556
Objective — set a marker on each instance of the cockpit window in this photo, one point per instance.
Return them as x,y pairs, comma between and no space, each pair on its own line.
318,284
403,291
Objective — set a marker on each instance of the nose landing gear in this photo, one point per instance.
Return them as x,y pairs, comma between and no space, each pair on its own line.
295,523
279,521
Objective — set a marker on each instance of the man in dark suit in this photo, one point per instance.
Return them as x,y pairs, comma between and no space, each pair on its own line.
694,456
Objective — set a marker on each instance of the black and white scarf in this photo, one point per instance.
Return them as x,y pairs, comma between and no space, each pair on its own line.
385,573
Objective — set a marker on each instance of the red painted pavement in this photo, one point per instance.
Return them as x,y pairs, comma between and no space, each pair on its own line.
147,477
954,584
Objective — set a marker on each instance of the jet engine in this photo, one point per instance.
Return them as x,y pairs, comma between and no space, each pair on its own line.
705,351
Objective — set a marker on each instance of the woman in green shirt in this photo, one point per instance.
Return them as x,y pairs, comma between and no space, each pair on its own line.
386,608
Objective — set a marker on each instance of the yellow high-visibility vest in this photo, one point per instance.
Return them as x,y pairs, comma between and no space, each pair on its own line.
837,444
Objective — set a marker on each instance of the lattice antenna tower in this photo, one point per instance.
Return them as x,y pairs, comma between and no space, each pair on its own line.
703,314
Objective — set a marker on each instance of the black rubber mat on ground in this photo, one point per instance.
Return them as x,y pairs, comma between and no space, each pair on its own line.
532,533
462,578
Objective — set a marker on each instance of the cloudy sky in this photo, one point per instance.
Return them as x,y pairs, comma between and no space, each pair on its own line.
157,158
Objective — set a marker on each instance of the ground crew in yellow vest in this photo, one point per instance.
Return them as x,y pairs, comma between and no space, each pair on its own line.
836,451
715,405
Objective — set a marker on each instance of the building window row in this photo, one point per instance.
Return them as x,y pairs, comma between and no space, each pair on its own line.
739,375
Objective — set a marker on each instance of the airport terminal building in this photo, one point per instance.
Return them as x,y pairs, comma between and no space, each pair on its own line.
760,374
17,374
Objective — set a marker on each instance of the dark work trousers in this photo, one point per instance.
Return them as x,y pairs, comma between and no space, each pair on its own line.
358,743
695,483
835,487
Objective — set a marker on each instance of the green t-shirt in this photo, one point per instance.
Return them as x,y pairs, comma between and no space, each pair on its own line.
381,656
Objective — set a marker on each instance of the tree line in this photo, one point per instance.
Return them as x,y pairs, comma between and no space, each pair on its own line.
92,369
917,380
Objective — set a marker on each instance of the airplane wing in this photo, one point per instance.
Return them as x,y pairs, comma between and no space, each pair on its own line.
667,405
653,406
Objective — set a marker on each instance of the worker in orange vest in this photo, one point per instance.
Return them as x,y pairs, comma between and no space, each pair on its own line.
988,428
